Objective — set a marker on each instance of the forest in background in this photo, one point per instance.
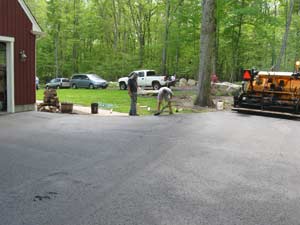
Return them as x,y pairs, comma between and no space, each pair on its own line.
114,37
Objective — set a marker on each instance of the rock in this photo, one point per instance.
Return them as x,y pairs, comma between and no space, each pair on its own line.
225,88
191,82
182,82
112,84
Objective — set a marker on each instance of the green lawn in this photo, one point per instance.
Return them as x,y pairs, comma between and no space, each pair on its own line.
107,98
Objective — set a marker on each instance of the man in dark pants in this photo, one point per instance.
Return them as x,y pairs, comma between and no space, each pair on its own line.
166,94
132,92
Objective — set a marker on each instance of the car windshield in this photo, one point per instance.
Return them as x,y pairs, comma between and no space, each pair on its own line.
95,77
53,81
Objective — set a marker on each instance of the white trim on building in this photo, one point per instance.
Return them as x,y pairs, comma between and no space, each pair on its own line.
36,29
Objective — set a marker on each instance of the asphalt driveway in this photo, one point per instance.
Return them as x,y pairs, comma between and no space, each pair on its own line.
211,168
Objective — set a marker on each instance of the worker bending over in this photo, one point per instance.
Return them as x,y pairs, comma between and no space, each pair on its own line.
166,94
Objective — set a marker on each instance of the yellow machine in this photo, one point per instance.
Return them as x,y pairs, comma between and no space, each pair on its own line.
270,93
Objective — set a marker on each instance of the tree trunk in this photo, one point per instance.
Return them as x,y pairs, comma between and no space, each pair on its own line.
236,46
207,43
57,49
215,49
116,27
285,37
274,38
138,21
75,40
166,37
56,56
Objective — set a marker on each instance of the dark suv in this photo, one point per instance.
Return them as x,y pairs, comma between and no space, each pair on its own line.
88,81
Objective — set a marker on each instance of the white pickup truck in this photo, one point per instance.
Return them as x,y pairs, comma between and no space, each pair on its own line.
146,78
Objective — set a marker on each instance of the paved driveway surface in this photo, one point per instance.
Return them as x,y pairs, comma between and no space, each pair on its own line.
212,168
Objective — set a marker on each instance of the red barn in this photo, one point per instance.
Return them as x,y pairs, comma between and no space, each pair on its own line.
18,33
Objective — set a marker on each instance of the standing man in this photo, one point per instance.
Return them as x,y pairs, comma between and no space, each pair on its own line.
132,92
166,94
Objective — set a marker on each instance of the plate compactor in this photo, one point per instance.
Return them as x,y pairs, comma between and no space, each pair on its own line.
270,93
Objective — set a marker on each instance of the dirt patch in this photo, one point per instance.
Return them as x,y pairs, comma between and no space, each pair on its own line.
185,101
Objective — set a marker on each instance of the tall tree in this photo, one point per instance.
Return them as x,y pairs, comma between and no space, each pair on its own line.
207,43
285,36
54,16
169,12
166,37
236,41
138,19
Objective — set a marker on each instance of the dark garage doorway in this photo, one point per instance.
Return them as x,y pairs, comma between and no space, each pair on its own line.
3,80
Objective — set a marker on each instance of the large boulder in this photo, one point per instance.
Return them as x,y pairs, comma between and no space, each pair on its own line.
182,82
225,88
191,82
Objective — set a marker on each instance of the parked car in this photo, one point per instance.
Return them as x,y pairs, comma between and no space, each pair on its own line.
37,83
88,81
58,83
146,78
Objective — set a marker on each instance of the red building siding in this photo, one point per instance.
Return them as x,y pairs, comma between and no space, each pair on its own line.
15,23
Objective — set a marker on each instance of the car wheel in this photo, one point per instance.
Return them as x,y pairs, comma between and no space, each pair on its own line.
74,86
57,87
122,86
91,86
156,86
47,87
